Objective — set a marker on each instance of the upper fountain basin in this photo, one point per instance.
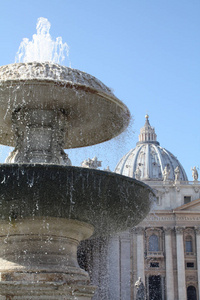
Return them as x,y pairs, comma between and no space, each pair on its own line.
93,113
108,201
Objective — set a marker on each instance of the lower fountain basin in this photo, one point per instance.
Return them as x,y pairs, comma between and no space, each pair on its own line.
108,201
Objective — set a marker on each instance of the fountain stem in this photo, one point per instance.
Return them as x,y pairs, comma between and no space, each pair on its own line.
40,136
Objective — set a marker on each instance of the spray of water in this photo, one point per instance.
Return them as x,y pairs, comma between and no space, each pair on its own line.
42,48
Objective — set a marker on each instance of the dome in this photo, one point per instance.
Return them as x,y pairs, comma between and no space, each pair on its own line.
149,161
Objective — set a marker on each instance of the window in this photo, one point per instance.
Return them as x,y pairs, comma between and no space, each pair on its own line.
154,265
187,199
190,265
188,244
153,243
191,293
155,288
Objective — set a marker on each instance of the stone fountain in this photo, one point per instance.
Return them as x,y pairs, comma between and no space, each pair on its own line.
47,206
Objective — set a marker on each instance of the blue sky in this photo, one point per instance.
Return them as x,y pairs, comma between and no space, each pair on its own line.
147,51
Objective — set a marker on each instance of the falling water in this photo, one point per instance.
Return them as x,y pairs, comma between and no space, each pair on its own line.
42,47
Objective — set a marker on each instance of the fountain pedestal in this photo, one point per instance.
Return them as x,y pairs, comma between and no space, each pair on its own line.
39,259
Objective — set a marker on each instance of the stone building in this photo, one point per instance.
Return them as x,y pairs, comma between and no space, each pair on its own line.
164,250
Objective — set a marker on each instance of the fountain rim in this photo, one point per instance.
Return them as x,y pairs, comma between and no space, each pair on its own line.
123,203
97,171
64,84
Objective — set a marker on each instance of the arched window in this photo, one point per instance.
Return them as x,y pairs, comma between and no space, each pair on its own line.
153,243
188,244
191,293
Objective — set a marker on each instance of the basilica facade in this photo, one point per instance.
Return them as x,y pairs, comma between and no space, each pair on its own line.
164,249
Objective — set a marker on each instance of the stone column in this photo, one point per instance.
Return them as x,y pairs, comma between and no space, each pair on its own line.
125,266
163,287
180,264
134,263
169,264
140,253
114,268
198,256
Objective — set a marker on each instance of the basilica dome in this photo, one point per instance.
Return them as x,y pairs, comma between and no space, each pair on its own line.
149,161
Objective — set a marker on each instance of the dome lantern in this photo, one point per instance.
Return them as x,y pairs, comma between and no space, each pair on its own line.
147,133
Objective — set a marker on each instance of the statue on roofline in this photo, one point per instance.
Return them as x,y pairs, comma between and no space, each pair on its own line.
195,174
177,173
93,163
166,173
138,173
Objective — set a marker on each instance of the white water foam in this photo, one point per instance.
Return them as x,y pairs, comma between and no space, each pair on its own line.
42,48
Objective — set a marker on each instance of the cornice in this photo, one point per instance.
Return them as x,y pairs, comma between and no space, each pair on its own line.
173,217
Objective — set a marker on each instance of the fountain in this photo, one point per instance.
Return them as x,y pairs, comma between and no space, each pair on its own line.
48,206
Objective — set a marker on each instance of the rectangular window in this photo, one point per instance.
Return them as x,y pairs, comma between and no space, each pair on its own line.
187,199
154,265
190,265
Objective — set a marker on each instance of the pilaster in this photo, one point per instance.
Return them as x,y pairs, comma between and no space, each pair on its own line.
180,264
140,253
169,264
197,231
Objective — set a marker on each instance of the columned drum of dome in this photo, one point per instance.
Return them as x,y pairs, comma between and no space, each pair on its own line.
148,160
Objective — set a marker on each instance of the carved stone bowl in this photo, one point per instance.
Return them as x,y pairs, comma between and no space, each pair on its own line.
93,113
108,201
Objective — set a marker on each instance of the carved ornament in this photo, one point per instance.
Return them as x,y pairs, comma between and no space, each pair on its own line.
139,230
168,230
179,230
197,229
